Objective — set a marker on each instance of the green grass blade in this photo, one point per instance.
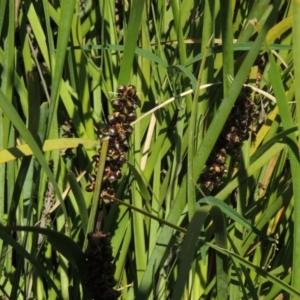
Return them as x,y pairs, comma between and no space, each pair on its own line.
130,40
293,150
296,49
188,250
227,44
67,11
232,214
189,246
96,196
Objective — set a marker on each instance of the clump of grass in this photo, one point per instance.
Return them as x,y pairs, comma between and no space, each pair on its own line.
62,62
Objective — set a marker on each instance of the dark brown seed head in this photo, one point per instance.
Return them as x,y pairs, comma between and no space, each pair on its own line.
96,158
112,177
130,103
122,159
122,118
131,117
92,178
116,103
122,137
111,119
90,188
118,174
122,90
131,90
128,128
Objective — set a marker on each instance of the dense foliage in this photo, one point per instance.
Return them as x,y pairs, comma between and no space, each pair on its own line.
148,149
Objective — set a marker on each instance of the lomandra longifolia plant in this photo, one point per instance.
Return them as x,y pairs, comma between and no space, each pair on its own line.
98,255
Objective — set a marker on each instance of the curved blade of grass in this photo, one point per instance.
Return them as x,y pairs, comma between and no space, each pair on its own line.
258,159
293,150
188,250
276,139
187,73
233,214
279,29
54,144
266,216
264,159
141,52
211,51
260,271
236,47
189,246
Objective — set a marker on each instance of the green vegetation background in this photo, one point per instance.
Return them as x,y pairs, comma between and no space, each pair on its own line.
60,64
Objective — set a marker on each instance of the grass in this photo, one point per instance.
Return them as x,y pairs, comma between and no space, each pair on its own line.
172,236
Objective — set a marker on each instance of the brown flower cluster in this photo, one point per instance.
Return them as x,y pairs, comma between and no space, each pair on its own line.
234,133
117,131
100,268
